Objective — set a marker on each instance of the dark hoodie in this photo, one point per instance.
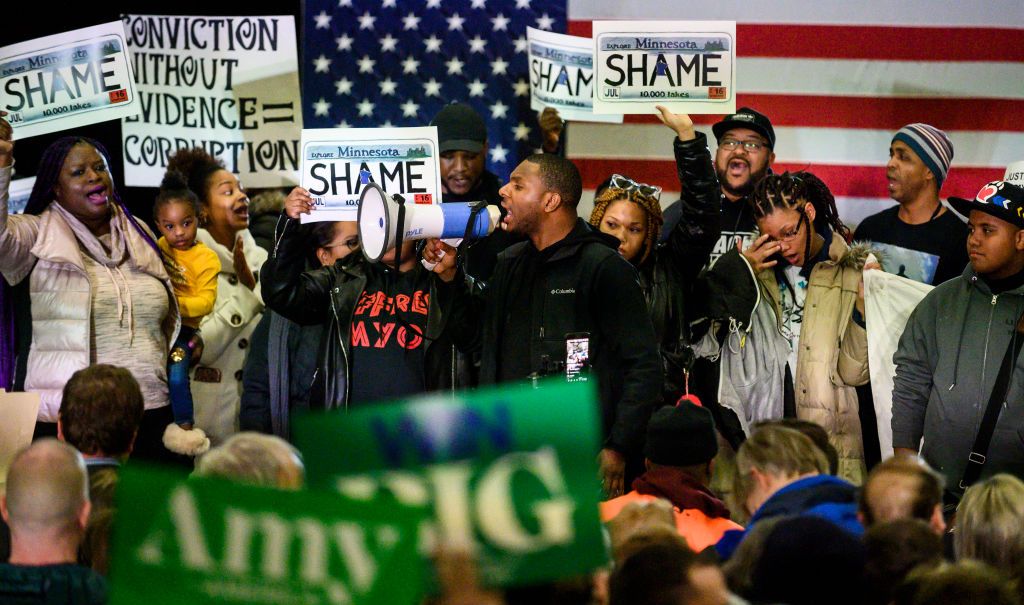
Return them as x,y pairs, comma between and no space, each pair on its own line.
580,284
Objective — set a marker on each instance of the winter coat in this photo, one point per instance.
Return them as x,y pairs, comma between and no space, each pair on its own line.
44,249
946,367
833,356
582,285
823,496
226,332
330,294
668,274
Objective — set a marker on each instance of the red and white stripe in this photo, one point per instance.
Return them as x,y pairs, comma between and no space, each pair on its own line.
837,83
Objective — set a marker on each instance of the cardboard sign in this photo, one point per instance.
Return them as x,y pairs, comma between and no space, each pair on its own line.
562,76
18,413
511,473
67,80
205,541
687,66
337,162
227,84
19,192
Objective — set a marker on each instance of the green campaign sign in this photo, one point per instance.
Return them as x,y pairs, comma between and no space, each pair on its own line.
202,541
511,472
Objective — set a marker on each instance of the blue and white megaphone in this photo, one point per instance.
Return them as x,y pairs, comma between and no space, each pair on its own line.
379,224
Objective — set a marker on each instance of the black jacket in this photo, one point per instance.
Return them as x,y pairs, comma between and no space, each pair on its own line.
583,285
331,293
669,272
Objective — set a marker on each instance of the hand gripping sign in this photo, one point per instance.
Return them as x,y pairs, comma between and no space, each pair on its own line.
687,66
67,80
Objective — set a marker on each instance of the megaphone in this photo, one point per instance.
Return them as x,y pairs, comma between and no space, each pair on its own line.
380,224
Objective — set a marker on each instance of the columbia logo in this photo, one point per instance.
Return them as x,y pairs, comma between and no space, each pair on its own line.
563,291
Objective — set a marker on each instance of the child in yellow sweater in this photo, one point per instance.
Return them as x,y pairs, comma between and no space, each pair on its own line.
193,268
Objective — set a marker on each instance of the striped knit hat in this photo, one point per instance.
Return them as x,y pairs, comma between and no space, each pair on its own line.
931,145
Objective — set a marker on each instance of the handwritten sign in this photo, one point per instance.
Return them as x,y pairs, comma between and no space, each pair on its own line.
511,473
206,541
227,84
687,66
337,162
67,80
562,75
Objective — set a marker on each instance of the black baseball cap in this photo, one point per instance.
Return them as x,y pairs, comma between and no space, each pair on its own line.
746,118
681,435
1001,199
460,128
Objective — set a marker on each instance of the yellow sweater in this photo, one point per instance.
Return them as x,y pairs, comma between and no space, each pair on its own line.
194,276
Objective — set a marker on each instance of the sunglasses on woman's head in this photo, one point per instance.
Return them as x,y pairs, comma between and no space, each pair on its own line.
627,184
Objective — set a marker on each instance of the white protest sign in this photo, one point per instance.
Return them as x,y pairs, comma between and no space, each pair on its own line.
1015,173
337,162
17,423
229,85
562,75
67,80
687,66
18,193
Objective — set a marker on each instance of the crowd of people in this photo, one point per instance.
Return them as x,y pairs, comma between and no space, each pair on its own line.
726,334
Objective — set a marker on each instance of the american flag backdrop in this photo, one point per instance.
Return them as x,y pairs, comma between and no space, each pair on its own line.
374,63
838,79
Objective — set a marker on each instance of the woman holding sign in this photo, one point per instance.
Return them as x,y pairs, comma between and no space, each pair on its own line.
631,211
227,331
99,290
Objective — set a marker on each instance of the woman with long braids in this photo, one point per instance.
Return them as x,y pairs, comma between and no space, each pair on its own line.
631,212
812,280
99,290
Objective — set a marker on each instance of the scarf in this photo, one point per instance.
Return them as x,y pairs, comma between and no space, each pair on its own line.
681,490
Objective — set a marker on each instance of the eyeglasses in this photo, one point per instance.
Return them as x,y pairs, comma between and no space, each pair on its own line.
791,234
351,243
627,184
733,145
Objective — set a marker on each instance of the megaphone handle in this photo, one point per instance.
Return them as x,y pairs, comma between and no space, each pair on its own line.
453,242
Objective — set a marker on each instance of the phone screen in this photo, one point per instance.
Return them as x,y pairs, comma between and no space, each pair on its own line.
577,357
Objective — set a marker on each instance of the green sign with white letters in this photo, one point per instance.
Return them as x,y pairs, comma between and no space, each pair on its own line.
205,541
511,472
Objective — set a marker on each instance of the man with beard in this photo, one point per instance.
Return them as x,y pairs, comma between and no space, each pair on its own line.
919,158
462,139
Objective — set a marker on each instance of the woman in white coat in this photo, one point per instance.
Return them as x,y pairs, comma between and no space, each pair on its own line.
226,332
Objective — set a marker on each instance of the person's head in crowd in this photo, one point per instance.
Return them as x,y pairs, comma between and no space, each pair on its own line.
630,211
639,517
224,205
665,572
995,226
796,209
903,487
919,158
739,569
894,549
255,459
101,411
74,172
176,211
817,434
682,437
333,241
462,143
964,583
746,150
808,560
46,504
541,197
770,459
990,523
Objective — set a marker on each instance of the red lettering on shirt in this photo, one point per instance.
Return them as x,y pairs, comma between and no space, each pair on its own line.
402,302
420,302
359,336
407,342
384,330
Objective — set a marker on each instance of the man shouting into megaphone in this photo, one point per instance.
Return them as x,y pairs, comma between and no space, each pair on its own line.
386,338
